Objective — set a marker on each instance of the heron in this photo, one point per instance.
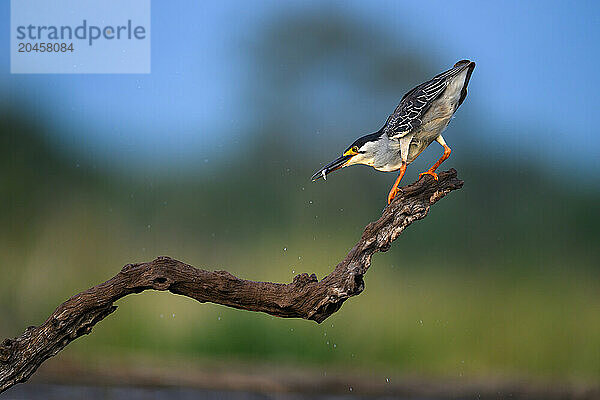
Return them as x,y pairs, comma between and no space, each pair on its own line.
419,120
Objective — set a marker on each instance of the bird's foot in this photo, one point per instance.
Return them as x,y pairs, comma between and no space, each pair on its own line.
392,194
435,176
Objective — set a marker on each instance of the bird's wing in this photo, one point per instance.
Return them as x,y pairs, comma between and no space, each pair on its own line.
407,116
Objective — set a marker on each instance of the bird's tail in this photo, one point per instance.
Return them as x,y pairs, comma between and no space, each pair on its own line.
457,69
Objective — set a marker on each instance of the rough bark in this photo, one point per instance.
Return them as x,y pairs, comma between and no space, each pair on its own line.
305,297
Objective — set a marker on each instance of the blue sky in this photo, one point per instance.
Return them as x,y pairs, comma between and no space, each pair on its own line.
536,72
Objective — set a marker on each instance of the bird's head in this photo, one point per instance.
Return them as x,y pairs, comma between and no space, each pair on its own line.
362,151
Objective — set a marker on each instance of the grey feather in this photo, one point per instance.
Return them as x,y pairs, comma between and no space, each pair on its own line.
408,116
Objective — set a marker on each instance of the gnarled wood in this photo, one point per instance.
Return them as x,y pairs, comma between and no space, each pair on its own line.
305,297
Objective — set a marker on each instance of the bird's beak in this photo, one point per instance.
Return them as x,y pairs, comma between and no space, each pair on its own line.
332,166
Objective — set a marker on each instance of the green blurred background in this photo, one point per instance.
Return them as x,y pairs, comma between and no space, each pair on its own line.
501,279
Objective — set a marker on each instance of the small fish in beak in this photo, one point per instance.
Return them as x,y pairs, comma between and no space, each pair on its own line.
329,168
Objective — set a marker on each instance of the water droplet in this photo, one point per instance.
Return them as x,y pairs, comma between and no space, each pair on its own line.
328,342
350,388
387,380
285,249
310,202
335,346
293,271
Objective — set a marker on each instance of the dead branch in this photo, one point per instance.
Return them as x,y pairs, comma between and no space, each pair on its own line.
306,297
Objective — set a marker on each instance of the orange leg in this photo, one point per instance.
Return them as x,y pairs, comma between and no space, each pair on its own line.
394,190
431,171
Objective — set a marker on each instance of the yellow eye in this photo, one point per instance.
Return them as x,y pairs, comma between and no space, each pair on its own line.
351,151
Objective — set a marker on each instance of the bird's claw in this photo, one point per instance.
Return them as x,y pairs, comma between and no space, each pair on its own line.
433,174
391,195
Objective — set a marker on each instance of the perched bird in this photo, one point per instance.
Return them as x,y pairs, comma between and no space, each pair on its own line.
420,118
